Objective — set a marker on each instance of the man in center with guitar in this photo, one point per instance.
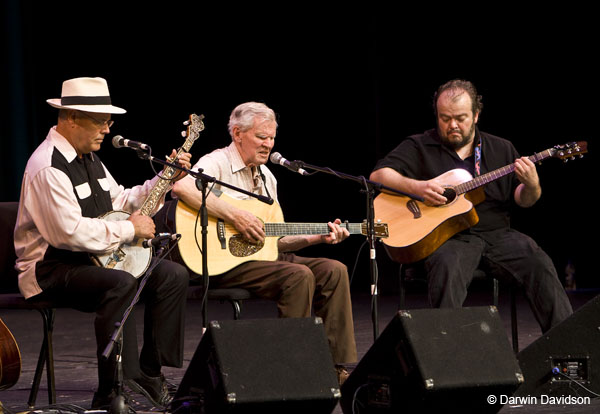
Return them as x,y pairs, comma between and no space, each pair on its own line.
296,283
418,166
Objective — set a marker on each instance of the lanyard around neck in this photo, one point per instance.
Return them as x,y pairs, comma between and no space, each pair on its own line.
477,155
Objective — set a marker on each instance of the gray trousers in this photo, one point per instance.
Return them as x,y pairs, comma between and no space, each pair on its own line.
299,285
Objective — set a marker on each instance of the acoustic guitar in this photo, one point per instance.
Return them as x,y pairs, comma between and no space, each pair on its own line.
226,246
134,257
10,358
417,230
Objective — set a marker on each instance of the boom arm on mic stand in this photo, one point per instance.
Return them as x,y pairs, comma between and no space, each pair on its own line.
200,176
277,158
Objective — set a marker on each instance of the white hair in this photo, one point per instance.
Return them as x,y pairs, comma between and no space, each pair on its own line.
243,115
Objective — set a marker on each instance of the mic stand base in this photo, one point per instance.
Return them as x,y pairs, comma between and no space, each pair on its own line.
119,405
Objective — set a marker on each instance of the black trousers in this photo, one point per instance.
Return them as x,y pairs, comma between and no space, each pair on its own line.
108,293
508,254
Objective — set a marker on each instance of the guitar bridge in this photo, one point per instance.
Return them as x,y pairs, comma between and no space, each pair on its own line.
221,233
413,207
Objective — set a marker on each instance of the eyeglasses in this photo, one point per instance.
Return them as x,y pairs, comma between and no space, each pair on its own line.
99,123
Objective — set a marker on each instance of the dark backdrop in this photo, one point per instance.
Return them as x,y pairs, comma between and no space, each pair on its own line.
348,84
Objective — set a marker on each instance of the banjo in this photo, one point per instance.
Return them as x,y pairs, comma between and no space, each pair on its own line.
134,257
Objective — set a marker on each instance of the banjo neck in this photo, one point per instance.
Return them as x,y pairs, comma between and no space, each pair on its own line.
195,125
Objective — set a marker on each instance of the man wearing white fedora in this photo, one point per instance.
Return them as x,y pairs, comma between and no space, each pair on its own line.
65,189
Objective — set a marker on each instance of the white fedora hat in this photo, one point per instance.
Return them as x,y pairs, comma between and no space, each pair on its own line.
86,94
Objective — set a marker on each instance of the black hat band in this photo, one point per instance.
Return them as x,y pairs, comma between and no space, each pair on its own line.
85,100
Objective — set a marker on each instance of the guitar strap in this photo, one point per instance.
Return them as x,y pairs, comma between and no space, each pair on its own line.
477,155
264,180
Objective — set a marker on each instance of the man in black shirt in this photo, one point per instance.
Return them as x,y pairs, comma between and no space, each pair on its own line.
414,167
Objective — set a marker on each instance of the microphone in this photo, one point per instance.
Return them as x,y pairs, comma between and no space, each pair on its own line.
119,142
155,242
277,158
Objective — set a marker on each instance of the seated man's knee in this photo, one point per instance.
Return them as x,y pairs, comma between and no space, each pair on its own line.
179,274
301,276
338,271
124,280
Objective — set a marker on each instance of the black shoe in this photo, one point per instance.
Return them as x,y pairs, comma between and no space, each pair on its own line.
153,388
102,401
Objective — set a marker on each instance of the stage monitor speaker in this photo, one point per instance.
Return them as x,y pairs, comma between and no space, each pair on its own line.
260,366
435,360
565,361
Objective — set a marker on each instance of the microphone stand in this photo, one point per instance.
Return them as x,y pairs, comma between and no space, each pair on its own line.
118,405
369,190
202,181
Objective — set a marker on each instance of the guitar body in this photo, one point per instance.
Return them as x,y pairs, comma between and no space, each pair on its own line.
132,257
416,229
10,358
226,247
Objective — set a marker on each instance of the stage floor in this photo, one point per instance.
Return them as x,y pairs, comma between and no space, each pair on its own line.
75,361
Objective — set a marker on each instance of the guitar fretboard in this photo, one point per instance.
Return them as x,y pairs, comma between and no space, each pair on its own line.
291,229
499,173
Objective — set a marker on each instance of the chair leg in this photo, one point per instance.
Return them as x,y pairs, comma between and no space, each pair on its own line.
496,292
50,359
204,316
35,386
401,288
237,309
46,357
513,319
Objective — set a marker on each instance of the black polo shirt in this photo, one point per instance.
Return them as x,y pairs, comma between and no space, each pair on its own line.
423,157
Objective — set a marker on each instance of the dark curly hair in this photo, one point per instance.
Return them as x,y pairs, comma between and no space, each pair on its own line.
457,84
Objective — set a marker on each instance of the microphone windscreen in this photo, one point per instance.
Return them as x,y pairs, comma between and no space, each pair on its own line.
116,141
276,157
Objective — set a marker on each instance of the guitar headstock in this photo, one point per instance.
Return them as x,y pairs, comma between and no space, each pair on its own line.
380,229
194,127
570,150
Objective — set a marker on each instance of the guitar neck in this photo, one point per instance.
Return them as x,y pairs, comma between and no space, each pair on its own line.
293,229
499,173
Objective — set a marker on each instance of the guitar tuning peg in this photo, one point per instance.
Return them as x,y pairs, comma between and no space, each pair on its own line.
186,123
184,133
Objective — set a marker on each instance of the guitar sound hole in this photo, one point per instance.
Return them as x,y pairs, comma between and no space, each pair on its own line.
240,247
450,195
